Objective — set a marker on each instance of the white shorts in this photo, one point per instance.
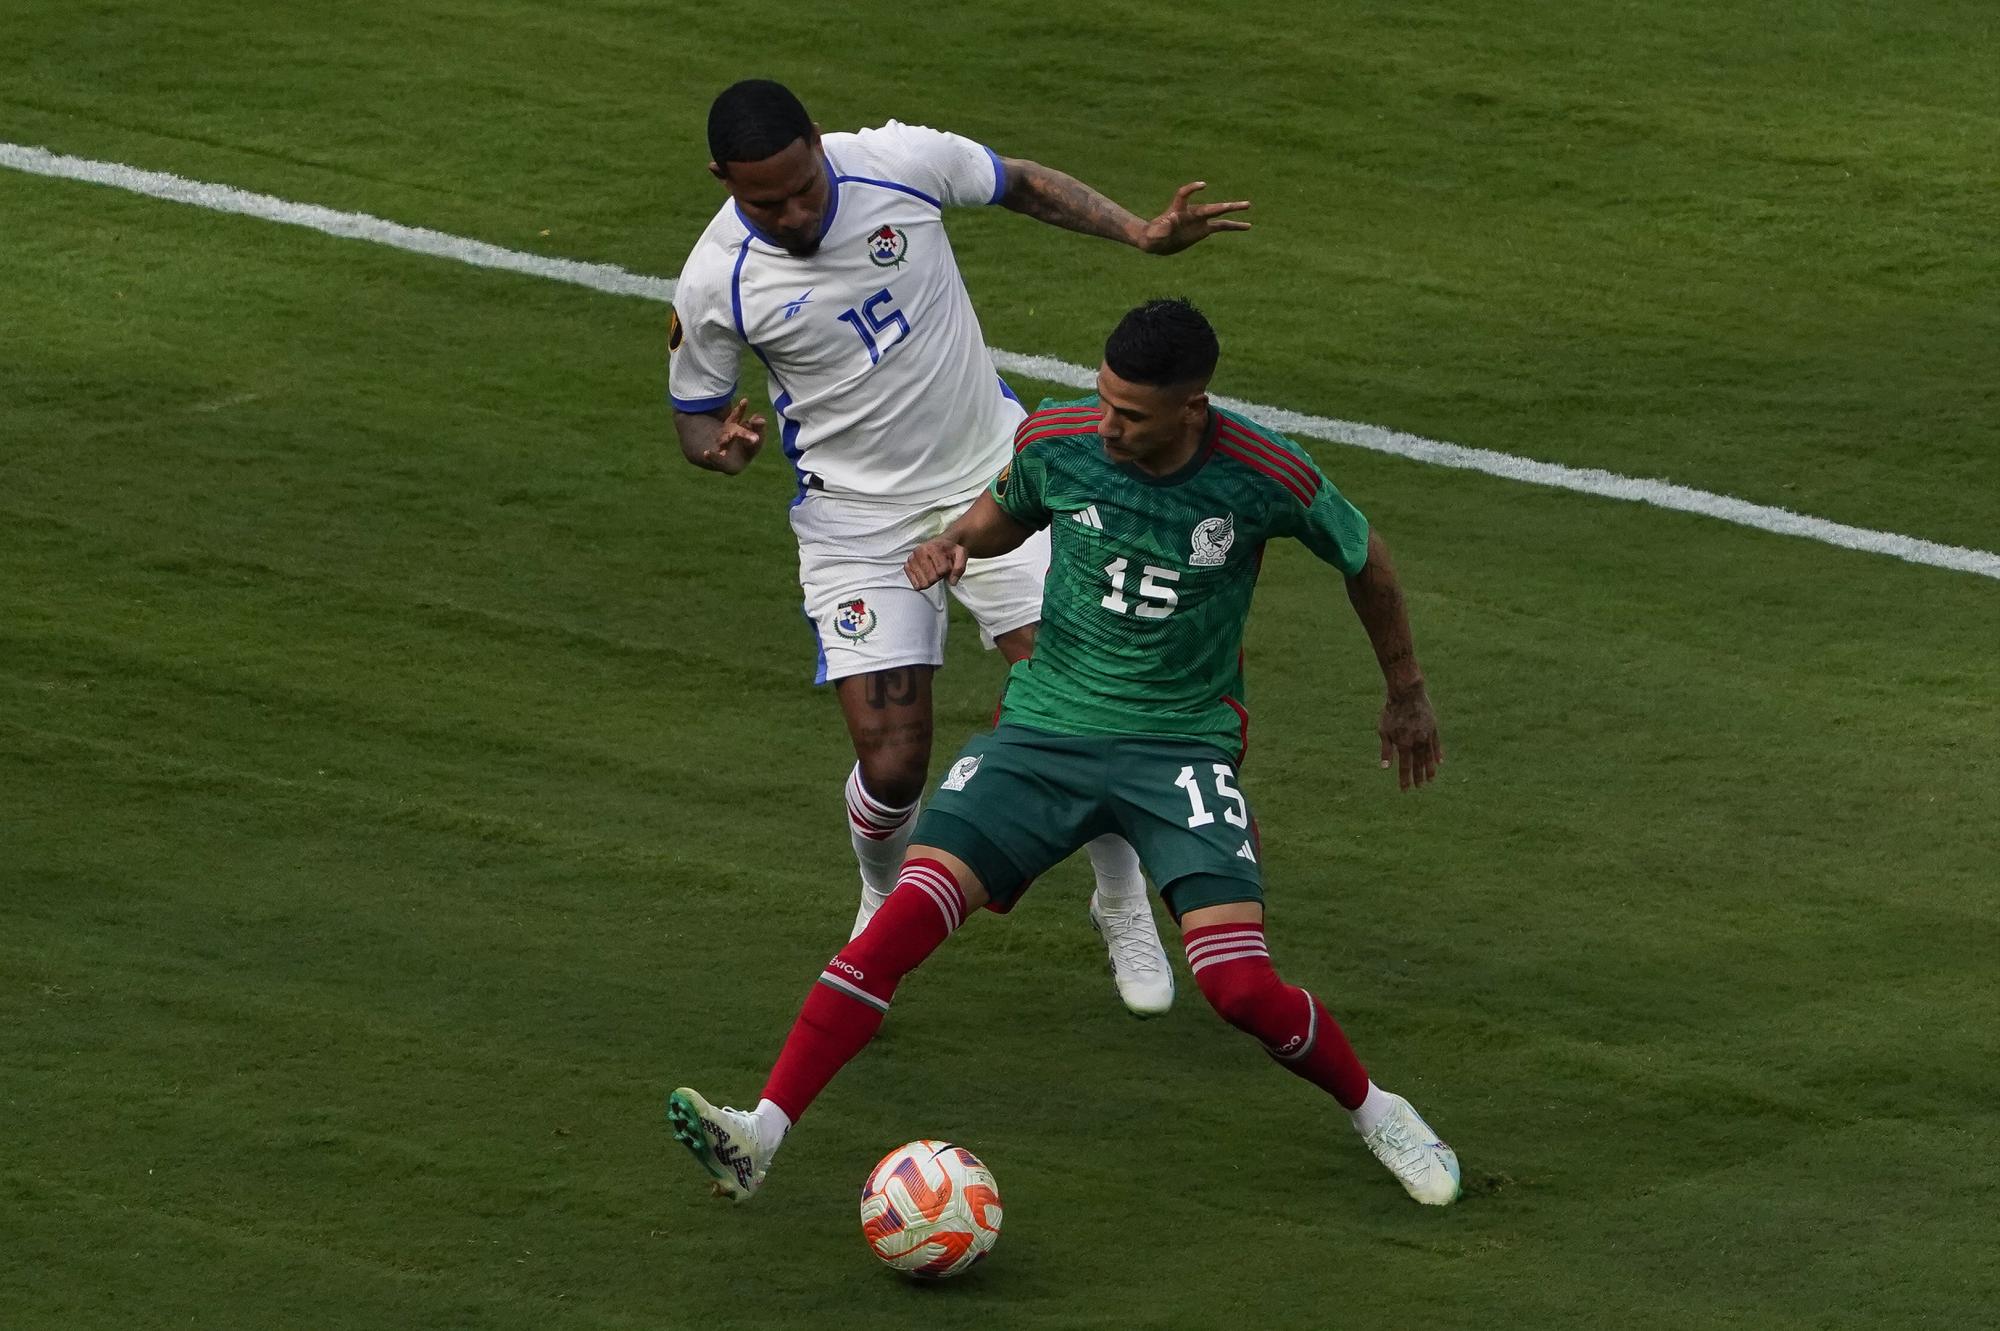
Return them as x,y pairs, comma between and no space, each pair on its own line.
862,608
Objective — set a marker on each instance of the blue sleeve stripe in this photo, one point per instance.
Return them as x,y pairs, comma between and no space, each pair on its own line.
754,229
736,288
999,176
788,439
890,184
695,406
832,199
771,370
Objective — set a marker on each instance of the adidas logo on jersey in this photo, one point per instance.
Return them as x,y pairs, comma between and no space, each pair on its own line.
1245,853
1088,518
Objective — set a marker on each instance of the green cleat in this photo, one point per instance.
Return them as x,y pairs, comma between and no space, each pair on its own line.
723,1139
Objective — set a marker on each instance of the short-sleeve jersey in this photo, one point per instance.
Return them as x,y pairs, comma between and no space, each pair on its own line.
877,365
1151,577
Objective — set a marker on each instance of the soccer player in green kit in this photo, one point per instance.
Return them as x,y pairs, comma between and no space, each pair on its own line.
1125,719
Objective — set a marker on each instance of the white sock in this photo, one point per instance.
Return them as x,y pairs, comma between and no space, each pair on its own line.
880,835
1121,886
772,1125
1374,1107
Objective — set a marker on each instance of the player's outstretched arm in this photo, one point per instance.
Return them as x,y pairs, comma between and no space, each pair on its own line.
1047,195
718,442
981,532
1408,726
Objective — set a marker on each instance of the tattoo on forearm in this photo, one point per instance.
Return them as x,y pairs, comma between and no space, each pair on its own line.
1060,200
1378,602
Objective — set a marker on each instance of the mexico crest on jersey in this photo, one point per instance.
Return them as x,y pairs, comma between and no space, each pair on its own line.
887,246
961,772
1212,539
854,620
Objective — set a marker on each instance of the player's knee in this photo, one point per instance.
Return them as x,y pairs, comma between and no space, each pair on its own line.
1242,992
913,923
895,776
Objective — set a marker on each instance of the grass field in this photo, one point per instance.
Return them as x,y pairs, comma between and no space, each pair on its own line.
408,771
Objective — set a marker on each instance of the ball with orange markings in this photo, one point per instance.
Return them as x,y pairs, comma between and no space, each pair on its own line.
930,1209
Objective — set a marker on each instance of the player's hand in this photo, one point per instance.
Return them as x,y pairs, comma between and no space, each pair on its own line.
736,442
1409,732
1184,222
941,560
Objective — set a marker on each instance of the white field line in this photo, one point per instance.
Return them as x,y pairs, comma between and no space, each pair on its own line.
353,226
617,281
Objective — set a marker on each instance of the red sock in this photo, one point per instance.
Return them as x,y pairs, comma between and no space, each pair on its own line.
1233,967
845,1009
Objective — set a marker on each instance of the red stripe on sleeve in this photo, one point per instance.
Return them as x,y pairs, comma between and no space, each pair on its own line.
1041,418
1257,463
1055,416
1045,427
1302,473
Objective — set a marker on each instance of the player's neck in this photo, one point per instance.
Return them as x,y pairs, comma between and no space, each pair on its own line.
1192,441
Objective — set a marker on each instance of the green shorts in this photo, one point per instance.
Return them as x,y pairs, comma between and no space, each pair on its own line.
1017,802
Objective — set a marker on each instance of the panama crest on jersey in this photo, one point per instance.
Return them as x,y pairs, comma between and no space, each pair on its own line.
853,620
1212,539
961,772
888,247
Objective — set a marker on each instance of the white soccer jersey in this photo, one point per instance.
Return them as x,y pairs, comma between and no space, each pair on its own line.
877,364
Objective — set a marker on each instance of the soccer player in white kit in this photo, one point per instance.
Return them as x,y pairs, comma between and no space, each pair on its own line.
831,263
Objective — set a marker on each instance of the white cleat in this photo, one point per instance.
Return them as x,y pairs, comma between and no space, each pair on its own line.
1425,1166
724,1140
871,901
1138,962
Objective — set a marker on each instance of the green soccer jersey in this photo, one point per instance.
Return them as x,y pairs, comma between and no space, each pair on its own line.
1150,577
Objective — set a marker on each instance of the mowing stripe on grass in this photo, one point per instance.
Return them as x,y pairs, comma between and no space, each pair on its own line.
618,282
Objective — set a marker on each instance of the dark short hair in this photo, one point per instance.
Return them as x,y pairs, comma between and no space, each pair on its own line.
1163,342
754,119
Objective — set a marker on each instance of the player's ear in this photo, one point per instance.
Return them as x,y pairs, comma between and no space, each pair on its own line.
1197,408
715,169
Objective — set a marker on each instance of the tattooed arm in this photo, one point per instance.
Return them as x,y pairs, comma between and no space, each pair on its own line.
1408,727
718,442
1047,195
981,532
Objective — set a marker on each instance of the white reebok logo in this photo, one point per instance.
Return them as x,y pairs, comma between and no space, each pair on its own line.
1246,853
1088,517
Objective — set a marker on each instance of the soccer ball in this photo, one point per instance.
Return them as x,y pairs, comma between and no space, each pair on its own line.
930,1210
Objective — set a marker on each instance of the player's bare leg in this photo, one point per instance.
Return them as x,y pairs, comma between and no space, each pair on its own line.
1120,909
935,893
888,715
1229,959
